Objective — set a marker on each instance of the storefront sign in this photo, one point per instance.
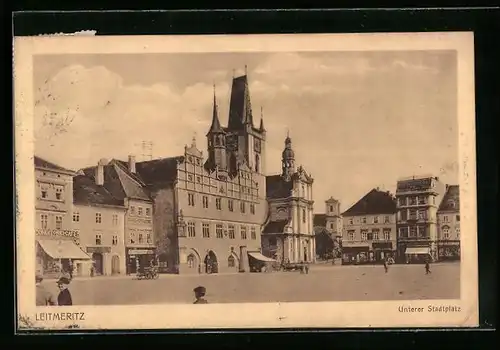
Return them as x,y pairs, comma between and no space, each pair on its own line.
101,250
141,251
384,245
57,233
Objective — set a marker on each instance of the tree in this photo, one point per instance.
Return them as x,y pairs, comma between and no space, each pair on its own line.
324,243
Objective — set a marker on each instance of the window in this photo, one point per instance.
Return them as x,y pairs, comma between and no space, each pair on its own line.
446,232
191,199
230,229
457,231
190,261
252,208
350,235
148,238
413,231
402,201
363,220
141,238
139,211
230,205
332,225
445,218
403,215
412,200
98,218
375,219
132,210
132,238
242,207
205,230
43,190
205,202
76,216
422,214
243,232
115,220
218,203
457,218
59,221
253,234
191,229
422,231
115,240
198,178
413,214
148,211
375,233
218,231
331,208
351,221
190,177
422,200
387,219
403,232
364,235
230,261
59,193
197,161
44,220
387,234
369,236
303,215
98,239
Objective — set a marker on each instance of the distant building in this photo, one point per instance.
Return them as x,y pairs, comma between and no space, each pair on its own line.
331,223
448,218
369,229
418,199
288,234
57,243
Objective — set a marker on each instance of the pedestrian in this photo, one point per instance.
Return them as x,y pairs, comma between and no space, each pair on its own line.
386,267
70,269
199,293
64,297
43,296
427,267
307,268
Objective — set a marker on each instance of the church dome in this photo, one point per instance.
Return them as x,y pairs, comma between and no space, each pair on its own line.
288,153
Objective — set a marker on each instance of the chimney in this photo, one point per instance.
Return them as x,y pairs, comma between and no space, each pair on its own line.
99,172
131,164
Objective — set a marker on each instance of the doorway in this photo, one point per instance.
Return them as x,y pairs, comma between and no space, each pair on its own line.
115,265
98,263
211,264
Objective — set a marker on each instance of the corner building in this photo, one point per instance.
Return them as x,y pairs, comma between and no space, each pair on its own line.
208,210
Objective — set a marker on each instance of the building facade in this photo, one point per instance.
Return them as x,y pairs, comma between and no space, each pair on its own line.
369,229
288,235
418,199
448,218
123,191
100,218
57,243
328,230
333,217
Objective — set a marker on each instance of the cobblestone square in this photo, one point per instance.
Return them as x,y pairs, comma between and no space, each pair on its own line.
323,283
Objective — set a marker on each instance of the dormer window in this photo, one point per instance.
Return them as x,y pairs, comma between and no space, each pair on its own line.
451,203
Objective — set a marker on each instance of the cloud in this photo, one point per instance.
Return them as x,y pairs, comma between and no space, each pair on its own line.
88,113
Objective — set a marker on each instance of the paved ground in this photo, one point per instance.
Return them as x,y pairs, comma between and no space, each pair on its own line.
323,283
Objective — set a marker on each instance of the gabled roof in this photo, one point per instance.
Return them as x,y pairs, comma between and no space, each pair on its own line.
42,163
131,186
319,220
277,226
451,199
86,192
277,187
374,202
158,171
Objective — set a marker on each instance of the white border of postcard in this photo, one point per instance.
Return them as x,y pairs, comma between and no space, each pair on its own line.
269,315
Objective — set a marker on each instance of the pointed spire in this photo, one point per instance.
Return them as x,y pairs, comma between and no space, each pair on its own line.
215,127
261,128
193,141
246,69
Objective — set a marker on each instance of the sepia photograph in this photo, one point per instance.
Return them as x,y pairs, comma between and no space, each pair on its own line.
282,180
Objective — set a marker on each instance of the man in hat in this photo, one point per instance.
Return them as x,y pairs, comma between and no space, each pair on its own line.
64,297
199,293
43,296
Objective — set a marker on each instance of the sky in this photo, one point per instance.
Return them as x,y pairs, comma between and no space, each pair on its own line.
357,120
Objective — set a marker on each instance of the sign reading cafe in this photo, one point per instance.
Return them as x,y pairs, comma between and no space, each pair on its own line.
57,233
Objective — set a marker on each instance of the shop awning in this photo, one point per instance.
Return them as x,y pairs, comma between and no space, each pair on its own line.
418,250
62,249
260,257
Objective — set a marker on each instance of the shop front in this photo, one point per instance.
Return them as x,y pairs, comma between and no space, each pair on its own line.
138,258
417,254
449,250
382,251
58,253
356,255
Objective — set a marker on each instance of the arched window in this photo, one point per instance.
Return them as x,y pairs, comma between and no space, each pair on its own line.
230,261
446,232
257,163
232,162
190,261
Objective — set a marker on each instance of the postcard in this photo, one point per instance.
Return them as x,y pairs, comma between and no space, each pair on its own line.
245,181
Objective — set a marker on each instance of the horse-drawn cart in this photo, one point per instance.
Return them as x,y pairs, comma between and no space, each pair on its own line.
148,273
302,267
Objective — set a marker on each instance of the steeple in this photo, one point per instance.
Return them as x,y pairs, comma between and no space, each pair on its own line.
215,127
261,128
240,106
288,158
